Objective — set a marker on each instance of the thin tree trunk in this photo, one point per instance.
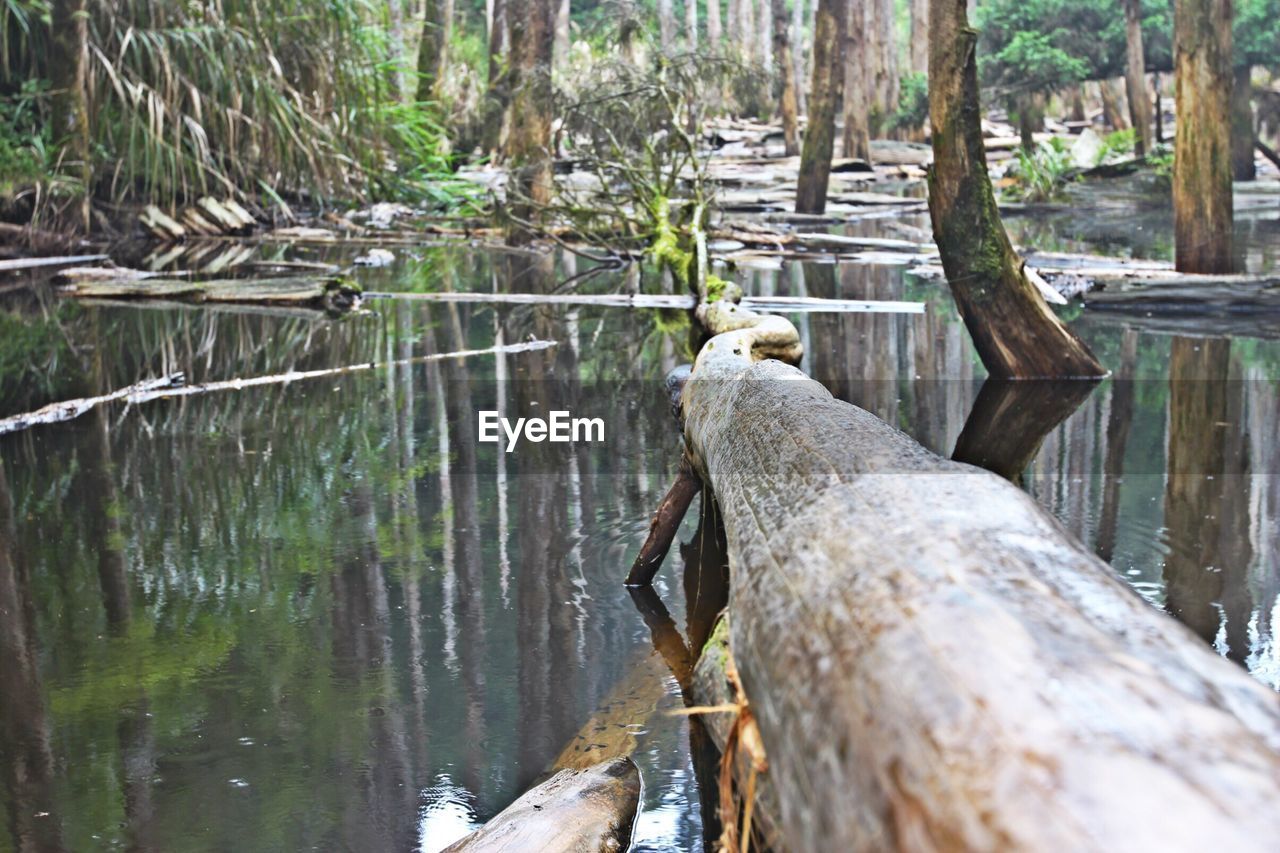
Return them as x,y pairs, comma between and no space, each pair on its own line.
1112,115
746,27
1202,147
691,24
561,48
920,36
819,136
1075,103
1015,332
764,31
733,21
1155,84
1242,130
797,52
431,51
532,25
857,134
713,24
498,96
69,49
1030,119
666,26
1135,78
788,103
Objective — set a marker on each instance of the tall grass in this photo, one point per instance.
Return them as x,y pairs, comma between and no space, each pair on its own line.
231,96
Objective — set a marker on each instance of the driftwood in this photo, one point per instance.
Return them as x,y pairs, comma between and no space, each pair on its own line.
334,294
173,385
575,811
32,263
985,682
1190,294
665,524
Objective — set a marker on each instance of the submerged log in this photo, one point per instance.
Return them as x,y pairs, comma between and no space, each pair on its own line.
333,293
934,663
575,811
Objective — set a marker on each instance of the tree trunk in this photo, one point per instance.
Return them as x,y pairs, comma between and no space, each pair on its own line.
857,132
1016,334
560,50
1242,130
432,51
691,24
920,36
1202,217
886,64
926,651
787,103
1112,115
1135,78
531,24
666,26
1155,84
733,22
69,48
797,53
746,28
764,36
824,94
713,24
498,94
1030,119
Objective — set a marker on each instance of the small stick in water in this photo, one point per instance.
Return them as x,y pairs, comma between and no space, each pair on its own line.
666,521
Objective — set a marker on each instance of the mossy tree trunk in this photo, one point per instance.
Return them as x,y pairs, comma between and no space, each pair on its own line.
787,104
532,27
1242,129
1135,78
1202,143
819,136
857,131
1016,334
69,33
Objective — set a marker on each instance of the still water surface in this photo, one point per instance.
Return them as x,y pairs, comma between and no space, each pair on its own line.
322,616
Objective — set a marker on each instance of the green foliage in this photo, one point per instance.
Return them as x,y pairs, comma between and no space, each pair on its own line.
1041,173
1161,160
913,102
189,99
1256,33
1117,144
1041,45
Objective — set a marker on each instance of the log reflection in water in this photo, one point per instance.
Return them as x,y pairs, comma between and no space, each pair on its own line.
1119,421
1010,419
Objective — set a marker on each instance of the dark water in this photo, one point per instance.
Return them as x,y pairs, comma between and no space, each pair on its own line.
321,615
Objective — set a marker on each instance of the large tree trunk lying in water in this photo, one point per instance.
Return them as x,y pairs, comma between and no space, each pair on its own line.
934,663
575,811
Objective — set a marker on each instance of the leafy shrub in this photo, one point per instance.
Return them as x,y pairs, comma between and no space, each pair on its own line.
1041,173
913,102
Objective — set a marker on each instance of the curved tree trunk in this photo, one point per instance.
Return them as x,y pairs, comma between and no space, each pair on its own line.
787,68
1202,219
824,94
933,663
857,133
1135,78
1242,129
1017,335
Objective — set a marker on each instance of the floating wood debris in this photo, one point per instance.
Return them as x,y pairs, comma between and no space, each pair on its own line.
16,264
334,294
807,304
173,385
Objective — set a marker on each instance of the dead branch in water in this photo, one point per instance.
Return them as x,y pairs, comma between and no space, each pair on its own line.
171,385
665,524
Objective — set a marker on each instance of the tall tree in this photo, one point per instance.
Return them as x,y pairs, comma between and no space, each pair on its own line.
787,103
883,43
531,24
1016,334
713,24
691,23
666,25
1135,78
857,133
1202,145
69,51
764,33
824,94
797,51
433,50
498,95
560,50
920,36
1242,130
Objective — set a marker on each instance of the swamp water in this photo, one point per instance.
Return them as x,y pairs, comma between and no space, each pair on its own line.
323,616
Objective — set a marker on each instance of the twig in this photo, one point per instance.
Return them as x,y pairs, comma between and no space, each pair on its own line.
665,524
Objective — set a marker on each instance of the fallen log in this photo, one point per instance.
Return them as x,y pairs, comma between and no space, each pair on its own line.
15,264
934,663
575,811
334,294
1189,294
